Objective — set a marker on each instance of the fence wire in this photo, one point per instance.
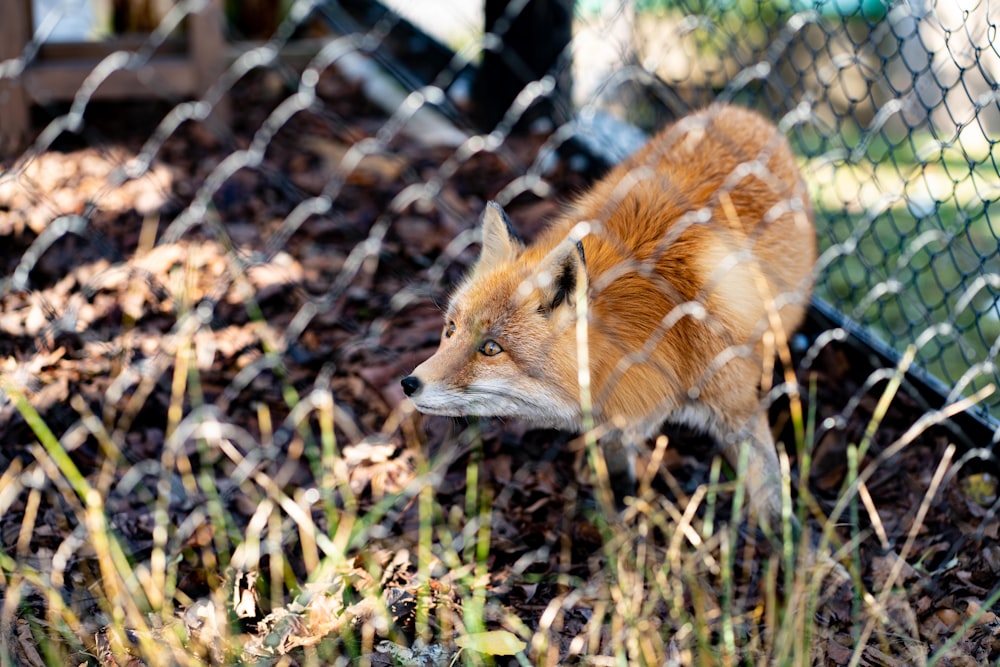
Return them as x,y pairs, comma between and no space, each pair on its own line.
216,252
900,147
892,108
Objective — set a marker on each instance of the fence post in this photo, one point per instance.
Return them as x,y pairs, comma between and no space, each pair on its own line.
535,37
206,46
15,31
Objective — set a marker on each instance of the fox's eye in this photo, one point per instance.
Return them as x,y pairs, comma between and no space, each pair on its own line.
449,330
491,348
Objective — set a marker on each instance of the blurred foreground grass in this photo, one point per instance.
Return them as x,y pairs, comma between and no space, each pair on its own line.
422,573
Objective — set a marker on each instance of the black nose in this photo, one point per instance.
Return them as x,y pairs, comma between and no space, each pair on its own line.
411,384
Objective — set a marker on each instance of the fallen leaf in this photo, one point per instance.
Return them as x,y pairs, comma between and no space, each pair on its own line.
980,488
493,642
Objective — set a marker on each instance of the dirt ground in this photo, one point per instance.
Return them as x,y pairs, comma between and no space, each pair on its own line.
186,359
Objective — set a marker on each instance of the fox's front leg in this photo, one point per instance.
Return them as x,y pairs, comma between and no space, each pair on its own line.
762,476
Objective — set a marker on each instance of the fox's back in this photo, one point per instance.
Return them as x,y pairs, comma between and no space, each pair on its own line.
667,199
691,238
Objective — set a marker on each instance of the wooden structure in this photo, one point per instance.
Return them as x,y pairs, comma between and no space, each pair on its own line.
184,66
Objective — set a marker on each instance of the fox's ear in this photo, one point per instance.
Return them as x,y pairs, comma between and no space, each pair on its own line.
500,242
560,274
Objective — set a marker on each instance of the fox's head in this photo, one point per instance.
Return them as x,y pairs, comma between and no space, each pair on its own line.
509,343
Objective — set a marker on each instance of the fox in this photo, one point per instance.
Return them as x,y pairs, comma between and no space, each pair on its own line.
661,294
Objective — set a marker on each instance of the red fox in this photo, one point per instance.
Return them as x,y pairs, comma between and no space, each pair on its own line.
688,261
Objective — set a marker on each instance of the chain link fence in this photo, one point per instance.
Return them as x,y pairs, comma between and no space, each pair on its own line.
223,226
898,137
892,108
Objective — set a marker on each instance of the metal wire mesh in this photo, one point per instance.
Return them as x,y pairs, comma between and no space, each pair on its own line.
193,255
893,108
894,111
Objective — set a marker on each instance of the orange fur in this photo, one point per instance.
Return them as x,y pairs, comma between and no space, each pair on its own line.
695,251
